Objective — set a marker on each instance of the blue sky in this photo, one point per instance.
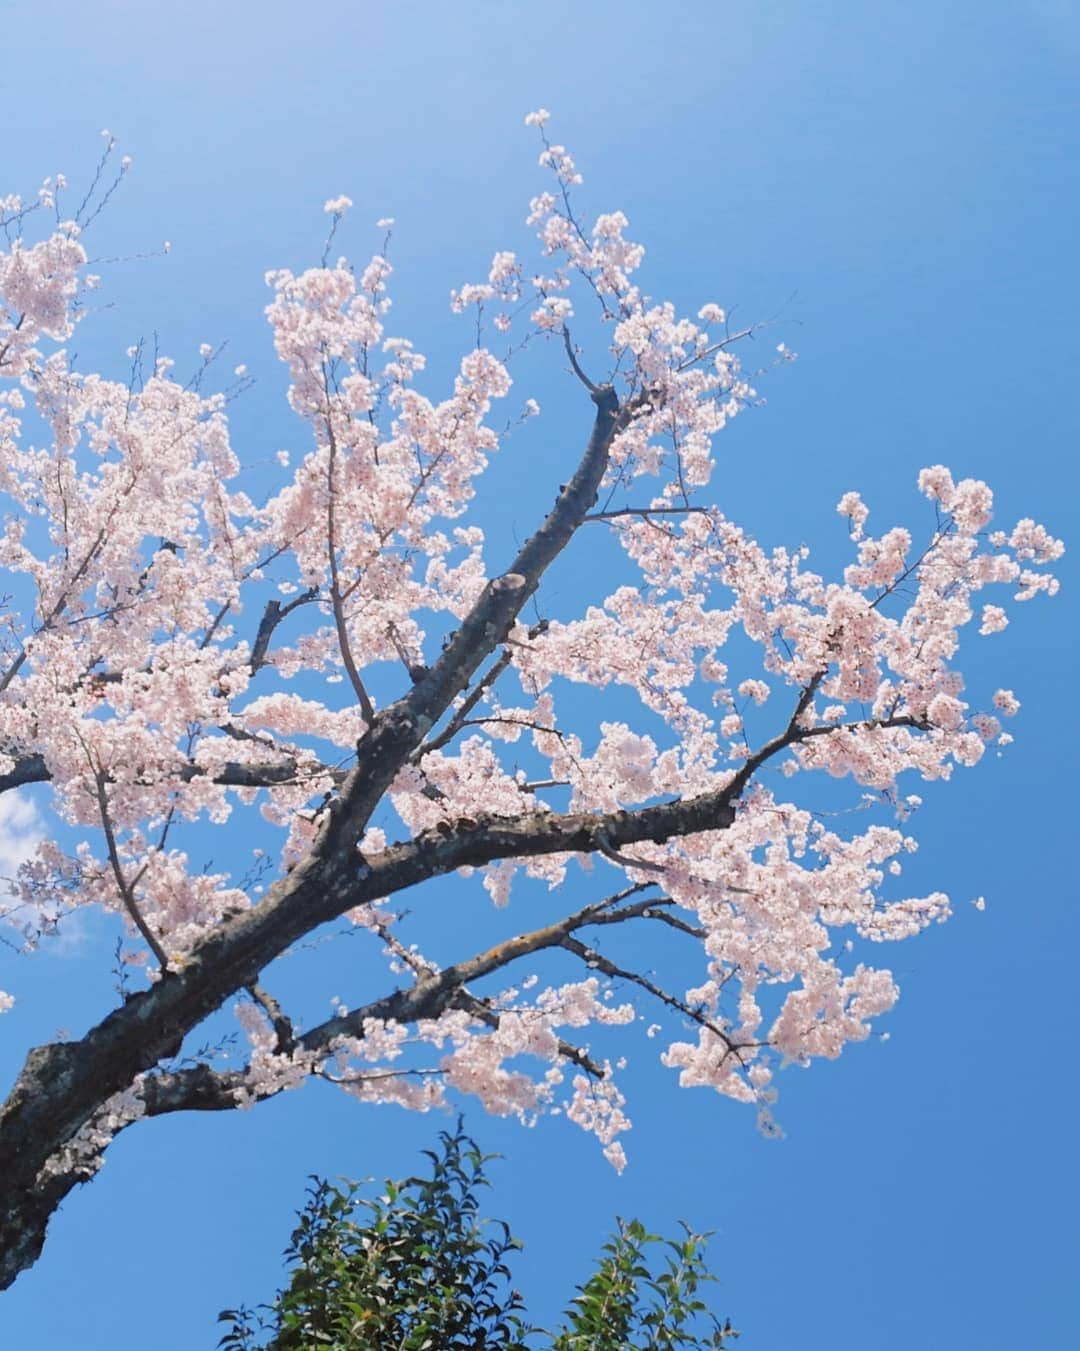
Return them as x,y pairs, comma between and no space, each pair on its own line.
898,185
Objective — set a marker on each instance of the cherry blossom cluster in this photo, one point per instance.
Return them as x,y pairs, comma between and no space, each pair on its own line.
177,652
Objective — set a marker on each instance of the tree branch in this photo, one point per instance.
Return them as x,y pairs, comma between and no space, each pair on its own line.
367,709
32,768
596,961
647,512
399,729
273,615
575,365
282,1025
461,715
202,1088
126,890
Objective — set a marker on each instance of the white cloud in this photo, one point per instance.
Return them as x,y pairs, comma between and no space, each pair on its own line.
21,827
20,831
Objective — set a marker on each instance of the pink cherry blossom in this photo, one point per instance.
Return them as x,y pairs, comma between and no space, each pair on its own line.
360,696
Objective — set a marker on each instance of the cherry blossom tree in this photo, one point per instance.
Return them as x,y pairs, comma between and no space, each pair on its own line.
343,665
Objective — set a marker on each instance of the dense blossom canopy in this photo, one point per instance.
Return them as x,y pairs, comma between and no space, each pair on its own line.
344,658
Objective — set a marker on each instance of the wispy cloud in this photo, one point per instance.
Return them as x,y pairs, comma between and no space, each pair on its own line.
21,828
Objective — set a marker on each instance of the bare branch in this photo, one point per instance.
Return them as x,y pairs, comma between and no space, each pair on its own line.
283,1028
474,696
647,512
197,1089
127,894
595,961
273,615
366,706
575,364
609,851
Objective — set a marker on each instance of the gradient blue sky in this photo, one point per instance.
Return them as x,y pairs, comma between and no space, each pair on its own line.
899,183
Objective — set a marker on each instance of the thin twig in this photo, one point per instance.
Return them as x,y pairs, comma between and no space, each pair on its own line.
575,364
127,895
599,962
609,851
367,709
460,717
646,512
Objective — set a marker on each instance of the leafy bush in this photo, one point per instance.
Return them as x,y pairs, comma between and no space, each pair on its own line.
418,1269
